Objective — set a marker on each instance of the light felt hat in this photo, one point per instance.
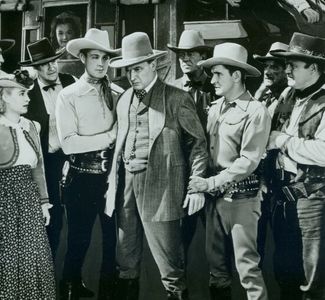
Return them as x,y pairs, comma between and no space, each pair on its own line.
230,54
305,47
136,48
94,39
277,46
190,40
6,44
41,52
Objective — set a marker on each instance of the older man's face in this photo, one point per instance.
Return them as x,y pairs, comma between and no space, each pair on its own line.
274,73
188,61
48,73
141,75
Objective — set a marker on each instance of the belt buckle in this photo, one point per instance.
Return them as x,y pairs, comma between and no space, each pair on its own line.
103,165
104,154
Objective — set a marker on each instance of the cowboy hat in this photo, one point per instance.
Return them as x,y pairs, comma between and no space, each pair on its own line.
6,44
94,39
41,52
136,48
230,54
305,47
190,40
277,46
20,79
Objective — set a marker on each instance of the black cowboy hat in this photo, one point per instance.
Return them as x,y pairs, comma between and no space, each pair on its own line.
41,52
6,44
304,47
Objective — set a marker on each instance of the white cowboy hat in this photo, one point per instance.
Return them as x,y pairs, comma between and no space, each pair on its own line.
230,54
277,46
136,48
94,39
190,40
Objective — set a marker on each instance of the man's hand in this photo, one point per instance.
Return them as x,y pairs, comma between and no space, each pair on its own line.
311,15
197,184
234,3
194,202
277,139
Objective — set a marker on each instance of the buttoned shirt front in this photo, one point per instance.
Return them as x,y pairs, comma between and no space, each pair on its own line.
84,121
50,97
238,138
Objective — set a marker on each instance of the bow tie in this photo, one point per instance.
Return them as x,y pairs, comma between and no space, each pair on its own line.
193,84
140,94
50,86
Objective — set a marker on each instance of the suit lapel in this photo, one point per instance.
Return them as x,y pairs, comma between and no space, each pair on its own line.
156,111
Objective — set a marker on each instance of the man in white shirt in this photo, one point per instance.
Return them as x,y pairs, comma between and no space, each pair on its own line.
86,118
299,176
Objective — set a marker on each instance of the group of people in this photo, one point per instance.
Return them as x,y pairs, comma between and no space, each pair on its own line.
152,160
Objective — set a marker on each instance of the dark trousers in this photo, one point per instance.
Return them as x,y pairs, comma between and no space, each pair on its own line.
299,236
263,222
189,224
84,201
53,163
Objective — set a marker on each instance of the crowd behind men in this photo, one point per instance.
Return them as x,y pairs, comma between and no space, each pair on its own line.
152,159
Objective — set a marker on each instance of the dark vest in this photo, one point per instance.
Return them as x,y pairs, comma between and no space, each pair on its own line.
37,110
308,125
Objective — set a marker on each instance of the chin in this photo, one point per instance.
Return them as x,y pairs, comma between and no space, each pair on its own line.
291,82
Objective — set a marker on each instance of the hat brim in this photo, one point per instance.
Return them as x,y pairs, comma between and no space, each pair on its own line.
7,83
250,70
74,47
6,44
266,58
119,62
202,48
29,63
295,55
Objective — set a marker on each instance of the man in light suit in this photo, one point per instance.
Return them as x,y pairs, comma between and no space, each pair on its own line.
43,95
160,143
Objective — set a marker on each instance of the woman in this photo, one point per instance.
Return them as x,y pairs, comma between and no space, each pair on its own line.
64,27
26,270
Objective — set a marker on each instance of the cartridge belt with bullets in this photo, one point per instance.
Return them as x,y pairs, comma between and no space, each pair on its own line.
94,162
249,184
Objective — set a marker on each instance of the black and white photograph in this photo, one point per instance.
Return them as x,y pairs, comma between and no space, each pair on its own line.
162,149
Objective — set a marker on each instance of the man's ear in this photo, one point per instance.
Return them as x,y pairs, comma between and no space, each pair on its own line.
82,57
236,75
153,65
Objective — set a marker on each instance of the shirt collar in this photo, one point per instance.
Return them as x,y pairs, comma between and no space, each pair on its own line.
203,77
41,84
151,84
22,123
242,102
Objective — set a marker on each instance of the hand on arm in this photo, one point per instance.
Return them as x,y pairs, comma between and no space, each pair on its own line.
311,15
